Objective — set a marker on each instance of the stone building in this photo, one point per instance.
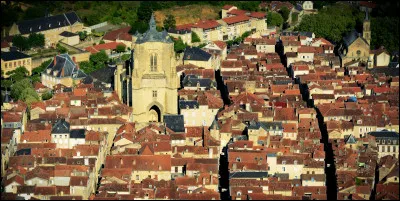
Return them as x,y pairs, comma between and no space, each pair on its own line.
356,47
153,76
50,26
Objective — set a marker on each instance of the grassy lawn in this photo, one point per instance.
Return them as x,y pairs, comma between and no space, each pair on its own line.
189,14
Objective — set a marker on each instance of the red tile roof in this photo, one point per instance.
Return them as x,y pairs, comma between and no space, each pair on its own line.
121,34
237,12
220,44
227,7
105,46
257,15
184,27
236,19
206,24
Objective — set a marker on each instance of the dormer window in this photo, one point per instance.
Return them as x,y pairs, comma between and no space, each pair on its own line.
238,159
40,27
49,25
284,162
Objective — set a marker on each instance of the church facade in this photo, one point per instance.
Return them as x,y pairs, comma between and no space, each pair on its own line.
356,46
154,80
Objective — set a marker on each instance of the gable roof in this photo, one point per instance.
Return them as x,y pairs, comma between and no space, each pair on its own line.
351,37
47,23
61,126
196,54
64,66
121,34
174,122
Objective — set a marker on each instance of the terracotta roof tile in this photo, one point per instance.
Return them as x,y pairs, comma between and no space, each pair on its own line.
236,19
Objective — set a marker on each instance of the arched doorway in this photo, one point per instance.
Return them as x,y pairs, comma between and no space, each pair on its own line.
154,114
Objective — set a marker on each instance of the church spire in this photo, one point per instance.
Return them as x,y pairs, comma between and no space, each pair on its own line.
152,23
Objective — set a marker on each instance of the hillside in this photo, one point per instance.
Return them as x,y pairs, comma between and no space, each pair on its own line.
189,14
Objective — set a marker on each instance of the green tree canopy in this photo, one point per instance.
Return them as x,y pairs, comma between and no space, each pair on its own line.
36,40
332,22
21,42
47,95
195,37
18,88
139,26
82,35
121,48
29,95
385,32
274,19
285,13
18,74
179,46
86,66
41,68
169,22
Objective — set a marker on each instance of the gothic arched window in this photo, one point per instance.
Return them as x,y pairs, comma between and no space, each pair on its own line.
153,62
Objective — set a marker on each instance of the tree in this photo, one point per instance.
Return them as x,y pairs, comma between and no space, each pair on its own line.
47,95
179,46
285,13
98,60
82,35
121,48
332,22
18,74
20,42
144,11
169,22
125,57
61,49
18,87
41,68
385,32
295,17
102,42
86,67
195,37
139,26
36,40
29,95
6,84
274,19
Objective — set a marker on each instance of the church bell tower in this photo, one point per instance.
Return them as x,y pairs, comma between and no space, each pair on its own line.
154,79
367,28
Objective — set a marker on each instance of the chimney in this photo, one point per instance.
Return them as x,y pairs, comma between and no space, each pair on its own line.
74,59
55,61
211,179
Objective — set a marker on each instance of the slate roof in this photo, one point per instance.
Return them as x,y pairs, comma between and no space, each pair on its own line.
189,81
174,122
14,55
61,126
248,175
384,134
196,54
105,74
386,70
77,133
190,103
47,23
65,67
152,35
26,151
351,37
68,34
267,125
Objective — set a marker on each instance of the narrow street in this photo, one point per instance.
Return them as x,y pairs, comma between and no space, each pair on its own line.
330,167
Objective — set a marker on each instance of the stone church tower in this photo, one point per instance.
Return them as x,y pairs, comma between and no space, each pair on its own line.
154,79
367,29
